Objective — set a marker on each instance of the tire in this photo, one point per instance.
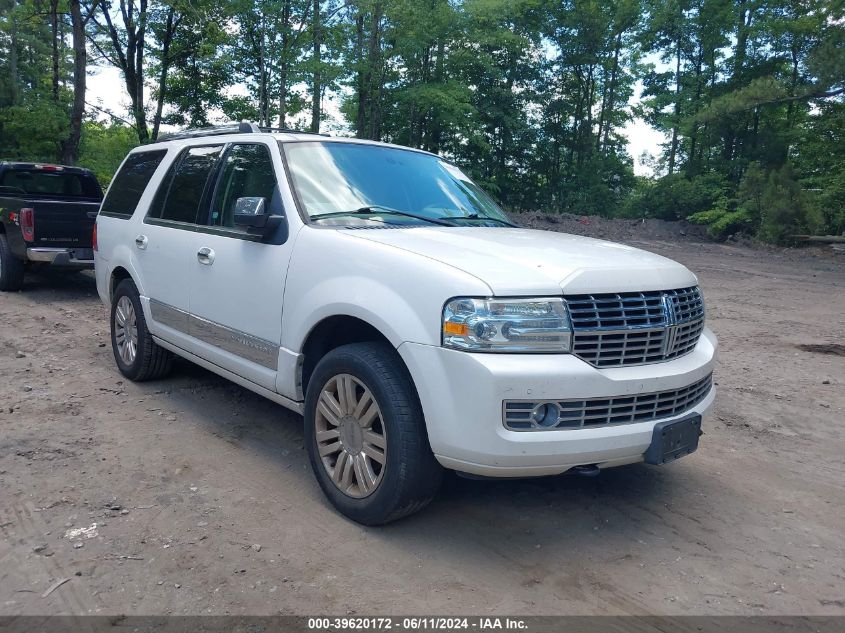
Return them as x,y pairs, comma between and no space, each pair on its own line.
148,361
408,476
11,268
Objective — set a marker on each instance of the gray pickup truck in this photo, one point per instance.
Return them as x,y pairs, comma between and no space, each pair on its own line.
47,216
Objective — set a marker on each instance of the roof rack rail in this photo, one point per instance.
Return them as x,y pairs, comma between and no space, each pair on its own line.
214,130
230,128
288,130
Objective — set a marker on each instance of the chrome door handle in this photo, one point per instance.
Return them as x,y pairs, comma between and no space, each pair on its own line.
205,256
141,242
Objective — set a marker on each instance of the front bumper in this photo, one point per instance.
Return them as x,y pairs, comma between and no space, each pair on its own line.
62,257
462,394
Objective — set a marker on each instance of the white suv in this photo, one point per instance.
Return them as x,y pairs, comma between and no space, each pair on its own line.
382,294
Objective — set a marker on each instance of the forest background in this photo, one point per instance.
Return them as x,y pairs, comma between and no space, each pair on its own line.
533,98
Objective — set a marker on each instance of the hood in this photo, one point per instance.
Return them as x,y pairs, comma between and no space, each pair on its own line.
516,262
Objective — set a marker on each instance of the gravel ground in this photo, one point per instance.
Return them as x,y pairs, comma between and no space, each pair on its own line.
192,495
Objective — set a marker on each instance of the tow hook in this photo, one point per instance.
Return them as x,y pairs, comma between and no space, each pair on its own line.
586,470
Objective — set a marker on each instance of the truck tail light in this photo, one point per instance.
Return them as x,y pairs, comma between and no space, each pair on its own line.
94,238
27,220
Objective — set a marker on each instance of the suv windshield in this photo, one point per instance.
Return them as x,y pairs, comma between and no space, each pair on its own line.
348,180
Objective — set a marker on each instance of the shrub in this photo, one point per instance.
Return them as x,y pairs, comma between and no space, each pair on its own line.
724,219
770,205
785,210
675,197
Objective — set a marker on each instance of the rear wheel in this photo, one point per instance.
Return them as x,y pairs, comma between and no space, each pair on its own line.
137,355
366,435
11,268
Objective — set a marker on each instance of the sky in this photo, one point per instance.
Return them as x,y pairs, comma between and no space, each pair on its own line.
106,91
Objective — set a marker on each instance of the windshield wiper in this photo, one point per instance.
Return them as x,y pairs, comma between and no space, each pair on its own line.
475,216
375,208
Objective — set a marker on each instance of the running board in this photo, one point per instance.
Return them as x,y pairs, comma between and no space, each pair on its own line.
293,405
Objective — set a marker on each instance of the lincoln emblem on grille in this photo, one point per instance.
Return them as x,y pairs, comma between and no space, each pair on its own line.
671,323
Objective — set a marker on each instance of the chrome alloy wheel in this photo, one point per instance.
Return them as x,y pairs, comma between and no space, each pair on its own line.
350,436
126,330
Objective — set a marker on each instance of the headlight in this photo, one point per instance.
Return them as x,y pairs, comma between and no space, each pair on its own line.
507,325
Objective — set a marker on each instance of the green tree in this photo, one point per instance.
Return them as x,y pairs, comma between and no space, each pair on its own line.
192,60
104,146
819,159
785,208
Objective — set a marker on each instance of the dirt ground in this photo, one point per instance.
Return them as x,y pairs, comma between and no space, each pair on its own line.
204,502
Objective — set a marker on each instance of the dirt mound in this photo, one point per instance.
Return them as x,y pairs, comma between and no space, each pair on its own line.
617,230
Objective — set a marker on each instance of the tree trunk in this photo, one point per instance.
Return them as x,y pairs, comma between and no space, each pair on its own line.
361,79
283,64
130,59
692,163
70,147
54,30
165,69
586,144
611,99
793,84
731,138
576,120
373,120
741,39
14,91
140,114
377,111
263,107
605,83
316,87
437,125
673,150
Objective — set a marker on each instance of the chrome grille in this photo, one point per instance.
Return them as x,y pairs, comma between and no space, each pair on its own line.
593,412
686,337
635,328
616,311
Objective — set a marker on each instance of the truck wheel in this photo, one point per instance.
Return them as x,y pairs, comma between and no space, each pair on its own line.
366,435
11,268
137,355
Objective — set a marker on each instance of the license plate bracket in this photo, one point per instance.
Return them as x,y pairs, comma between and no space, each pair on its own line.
673,439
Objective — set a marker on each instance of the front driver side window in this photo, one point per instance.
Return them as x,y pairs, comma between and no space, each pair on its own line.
247,173
180,196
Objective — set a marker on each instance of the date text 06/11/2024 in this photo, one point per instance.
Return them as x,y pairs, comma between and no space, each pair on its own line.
417,623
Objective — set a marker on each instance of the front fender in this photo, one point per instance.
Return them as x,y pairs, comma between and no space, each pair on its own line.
372,302
399,293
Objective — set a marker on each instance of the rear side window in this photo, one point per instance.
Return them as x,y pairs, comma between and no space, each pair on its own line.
51,182
128,185
182,193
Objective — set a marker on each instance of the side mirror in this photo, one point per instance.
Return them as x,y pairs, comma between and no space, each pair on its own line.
251,213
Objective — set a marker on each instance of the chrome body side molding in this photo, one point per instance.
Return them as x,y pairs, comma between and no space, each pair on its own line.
246,346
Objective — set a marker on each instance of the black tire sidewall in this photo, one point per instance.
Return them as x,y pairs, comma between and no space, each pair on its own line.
401,416
133,371
11,268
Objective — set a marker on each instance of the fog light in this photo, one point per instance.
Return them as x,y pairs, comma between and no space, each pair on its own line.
545,414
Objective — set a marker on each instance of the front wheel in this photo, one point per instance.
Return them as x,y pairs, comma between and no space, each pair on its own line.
366,435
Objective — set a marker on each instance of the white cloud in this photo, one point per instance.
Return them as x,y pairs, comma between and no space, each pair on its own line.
642,138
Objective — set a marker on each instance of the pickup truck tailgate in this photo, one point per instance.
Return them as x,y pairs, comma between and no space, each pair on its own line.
64,224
